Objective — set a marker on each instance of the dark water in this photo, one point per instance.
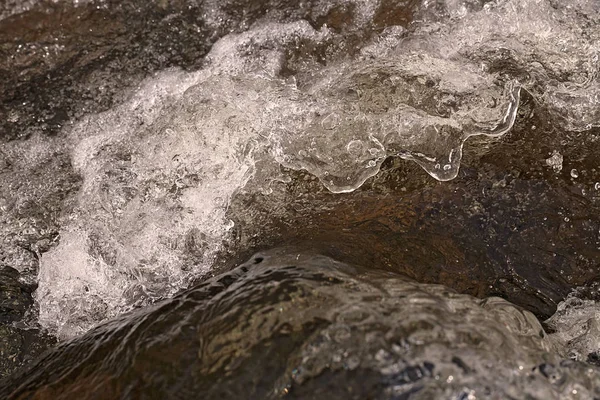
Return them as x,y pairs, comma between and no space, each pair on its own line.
125,181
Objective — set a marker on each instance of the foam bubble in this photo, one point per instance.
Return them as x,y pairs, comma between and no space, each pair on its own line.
157,180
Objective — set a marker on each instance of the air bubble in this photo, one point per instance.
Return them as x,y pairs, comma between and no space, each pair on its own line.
330,122
228,225
355,148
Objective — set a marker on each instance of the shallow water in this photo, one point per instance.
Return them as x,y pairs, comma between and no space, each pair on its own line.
296,325
149,146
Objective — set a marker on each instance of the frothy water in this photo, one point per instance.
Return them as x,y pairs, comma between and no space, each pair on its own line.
159,171
576,324
146,187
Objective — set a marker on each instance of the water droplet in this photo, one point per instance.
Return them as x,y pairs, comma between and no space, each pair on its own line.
374,151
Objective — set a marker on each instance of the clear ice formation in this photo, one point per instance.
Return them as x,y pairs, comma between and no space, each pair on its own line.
160,169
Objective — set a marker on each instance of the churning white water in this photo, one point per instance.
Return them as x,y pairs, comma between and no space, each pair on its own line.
159,170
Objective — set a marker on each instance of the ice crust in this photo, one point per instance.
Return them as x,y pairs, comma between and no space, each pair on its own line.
160,169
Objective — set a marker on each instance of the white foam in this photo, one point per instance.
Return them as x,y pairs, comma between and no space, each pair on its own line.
576,324
158,175
160,170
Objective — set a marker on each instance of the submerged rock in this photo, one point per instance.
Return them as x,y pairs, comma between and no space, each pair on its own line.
299,325
18,346
15,297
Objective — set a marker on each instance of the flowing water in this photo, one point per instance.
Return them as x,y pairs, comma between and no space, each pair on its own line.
294,325
149,147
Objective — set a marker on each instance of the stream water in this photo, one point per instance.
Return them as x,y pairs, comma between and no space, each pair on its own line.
428,170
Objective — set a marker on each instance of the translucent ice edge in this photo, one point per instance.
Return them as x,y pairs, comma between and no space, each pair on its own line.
448,168
159,172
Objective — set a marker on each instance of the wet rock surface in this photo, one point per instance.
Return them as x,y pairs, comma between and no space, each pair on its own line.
521,220
15,297
312,326
18,345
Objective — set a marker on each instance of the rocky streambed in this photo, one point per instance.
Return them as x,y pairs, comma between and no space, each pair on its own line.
148,149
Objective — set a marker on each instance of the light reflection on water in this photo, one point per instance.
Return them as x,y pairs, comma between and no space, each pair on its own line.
299,325
189,173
